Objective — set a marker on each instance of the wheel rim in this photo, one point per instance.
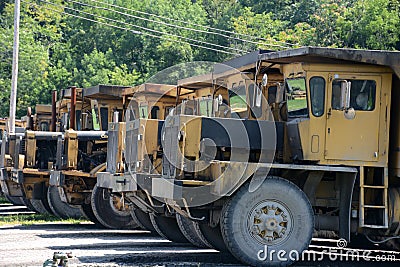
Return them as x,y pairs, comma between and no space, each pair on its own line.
116,204
270,222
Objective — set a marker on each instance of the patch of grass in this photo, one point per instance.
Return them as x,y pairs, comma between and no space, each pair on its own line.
296,104
3,200
298,83
29,219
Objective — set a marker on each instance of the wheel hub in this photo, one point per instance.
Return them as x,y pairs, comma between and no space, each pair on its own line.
269,222
118,205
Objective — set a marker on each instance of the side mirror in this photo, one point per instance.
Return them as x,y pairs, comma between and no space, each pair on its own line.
265,80
115,116
65,121
280,93
85,121
345,88
95,115
258,96
220,100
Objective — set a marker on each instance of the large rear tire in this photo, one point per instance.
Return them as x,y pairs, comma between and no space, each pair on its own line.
213,236
16,201
41,206
107,212
143,220
277,216
190,229
28,204
87,212
168,228
59,208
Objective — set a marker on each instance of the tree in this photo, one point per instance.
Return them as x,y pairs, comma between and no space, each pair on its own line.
325,21
38,34
260,25
372,24
100,68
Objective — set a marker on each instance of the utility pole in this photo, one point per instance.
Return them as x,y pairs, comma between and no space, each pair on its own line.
13,95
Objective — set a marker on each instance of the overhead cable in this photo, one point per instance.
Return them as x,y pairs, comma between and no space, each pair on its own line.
144,28
127,29
183,27
198,25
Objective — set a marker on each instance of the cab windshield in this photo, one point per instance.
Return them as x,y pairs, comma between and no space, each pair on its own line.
296,97
237,97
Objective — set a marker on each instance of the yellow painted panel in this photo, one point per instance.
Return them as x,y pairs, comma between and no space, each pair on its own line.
357,138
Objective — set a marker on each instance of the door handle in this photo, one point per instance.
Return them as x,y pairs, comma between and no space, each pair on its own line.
329,113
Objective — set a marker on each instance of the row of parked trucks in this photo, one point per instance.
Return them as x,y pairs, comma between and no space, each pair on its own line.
263,151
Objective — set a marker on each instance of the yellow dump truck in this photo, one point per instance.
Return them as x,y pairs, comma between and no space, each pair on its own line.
317,149
39,157
14,154
83,154
12,192
145,103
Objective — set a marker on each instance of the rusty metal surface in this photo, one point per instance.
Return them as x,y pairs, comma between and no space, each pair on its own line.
104,91
97,92
152,88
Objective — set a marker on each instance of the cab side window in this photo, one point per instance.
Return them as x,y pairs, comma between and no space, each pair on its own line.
296,96
362,95
155,110
317,94
237,97
143,112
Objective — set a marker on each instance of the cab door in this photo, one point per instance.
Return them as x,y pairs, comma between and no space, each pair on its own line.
352,132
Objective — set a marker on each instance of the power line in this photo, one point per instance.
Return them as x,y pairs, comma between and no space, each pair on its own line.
144,28
182,27
127,29
198,25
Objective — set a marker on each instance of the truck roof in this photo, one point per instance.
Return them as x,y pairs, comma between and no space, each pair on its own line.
152,88
335,55
100,91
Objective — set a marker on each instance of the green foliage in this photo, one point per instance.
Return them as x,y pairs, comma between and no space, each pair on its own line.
262,25
373,24
57,51
38,33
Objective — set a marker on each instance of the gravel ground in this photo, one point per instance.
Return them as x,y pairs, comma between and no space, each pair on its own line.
32,245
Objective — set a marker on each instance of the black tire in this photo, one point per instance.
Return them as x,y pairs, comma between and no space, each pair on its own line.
28,204
213,236
87,212
107,214
168,228
190,229
288,226
59,208
143,220
16,201
41,206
